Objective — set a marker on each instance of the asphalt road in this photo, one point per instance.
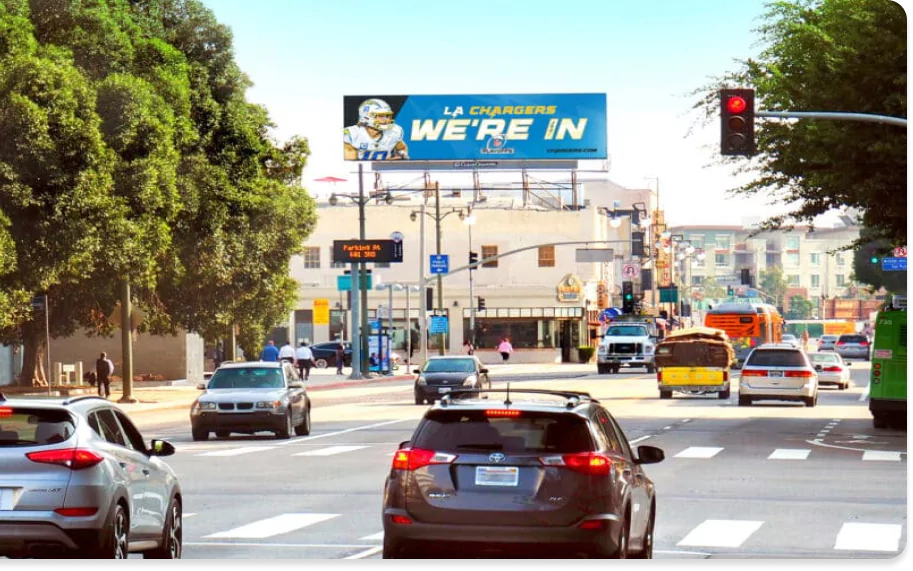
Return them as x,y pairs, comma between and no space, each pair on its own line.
771,480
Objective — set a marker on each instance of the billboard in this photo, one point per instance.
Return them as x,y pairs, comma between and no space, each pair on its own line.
562,126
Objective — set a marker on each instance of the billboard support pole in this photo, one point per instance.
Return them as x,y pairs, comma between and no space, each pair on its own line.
440,280
362,272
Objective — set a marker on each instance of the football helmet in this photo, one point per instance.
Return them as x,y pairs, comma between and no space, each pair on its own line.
373,109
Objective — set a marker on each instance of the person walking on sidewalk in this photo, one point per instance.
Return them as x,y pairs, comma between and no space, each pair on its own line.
270,352
340,358
505,349
305,358
104,368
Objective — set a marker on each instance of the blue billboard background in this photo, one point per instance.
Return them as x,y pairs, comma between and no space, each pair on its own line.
561,126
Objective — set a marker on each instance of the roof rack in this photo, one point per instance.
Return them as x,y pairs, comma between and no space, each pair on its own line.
77,398
574,398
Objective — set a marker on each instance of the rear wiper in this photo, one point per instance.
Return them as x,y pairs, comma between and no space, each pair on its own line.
491,446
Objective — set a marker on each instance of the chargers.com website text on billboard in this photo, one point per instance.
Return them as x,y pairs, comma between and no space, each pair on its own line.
589,279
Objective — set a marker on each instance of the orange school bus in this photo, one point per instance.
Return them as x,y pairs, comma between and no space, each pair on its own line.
747,324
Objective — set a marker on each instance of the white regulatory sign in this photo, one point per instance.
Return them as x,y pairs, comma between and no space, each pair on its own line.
630,271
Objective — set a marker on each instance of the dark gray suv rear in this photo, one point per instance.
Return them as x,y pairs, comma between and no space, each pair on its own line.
537,471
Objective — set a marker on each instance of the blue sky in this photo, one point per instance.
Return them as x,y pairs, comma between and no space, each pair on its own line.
646,55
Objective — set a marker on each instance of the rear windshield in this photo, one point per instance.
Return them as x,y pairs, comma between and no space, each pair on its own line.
20,426
823,358
450,366
532,432
853,338
247,378
775,358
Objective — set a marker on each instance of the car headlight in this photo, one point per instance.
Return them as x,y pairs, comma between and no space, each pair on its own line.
648,349
471,381
206,405
269,404
421,381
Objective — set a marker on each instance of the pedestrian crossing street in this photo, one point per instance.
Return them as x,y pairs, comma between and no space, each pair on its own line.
690,453
709,534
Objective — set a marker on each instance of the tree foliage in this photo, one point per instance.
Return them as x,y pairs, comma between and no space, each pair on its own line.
130,152
864,271
827,55
799,308
772,282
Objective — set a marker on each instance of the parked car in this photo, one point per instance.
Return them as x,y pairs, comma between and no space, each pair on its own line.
442,374
252,397
77,479
856,345
832,369
325,354
778,371
534,471
827,342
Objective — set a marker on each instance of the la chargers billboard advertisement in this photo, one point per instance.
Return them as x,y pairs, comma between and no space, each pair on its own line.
558,126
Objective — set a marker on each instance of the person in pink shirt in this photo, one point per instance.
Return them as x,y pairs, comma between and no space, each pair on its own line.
505,349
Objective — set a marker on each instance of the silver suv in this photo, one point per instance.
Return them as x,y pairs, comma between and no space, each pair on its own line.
76,478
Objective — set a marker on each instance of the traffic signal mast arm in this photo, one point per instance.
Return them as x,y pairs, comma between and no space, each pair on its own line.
524,249
864,117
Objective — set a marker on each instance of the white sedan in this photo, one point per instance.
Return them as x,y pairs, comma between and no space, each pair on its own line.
832,369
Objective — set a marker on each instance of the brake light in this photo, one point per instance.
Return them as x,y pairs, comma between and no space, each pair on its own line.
502,412
591,463
659,375
864,343
72,458
76,512
593,524
841,343
754,373
802,374
834,369
6,412
415,458
401,519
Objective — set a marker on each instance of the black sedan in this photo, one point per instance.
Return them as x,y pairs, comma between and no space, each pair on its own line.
325,354
440,375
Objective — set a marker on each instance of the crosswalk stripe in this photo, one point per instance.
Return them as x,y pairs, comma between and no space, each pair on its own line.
269,527
789,454
373,537
869,537
720,533
698,452
881,455
237,451
330,451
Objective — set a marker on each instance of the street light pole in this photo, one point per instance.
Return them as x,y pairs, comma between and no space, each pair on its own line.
423,302
363,271
470,220
440,280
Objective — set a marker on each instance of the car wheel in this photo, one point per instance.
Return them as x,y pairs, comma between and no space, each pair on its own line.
646,551
651,369
601,369
744,401
172,535
304,428
665,394
223,433
112,538
286,432
811,401
321,363
724,395
419,400
199,434
879,421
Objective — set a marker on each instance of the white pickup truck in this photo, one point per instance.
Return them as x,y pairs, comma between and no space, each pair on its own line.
626,344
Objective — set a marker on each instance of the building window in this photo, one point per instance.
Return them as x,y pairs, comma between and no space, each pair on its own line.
722,260
697,262
841,280
311,256
488,252
697,280
792,242
333,263
815,258
722,243
697,240
793,280
792,259
546,256
816,280
840,260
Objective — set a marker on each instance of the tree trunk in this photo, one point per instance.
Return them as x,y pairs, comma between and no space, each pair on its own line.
35,347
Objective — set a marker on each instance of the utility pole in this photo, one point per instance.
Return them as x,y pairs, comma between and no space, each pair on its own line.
423,302
440,281
363,273
126,330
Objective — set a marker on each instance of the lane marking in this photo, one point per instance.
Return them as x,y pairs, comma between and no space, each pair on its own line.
366,553
823,445
698,452
635,441
720,533
881,456
865,393
237,451
283,523
686,420
346,431
273,545
330,451
869,537
667,428
789,454
188,514
373,537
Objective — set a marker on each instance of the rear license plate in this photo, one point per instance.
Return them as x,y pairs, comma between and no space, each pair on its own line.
497,475
775,374
443,390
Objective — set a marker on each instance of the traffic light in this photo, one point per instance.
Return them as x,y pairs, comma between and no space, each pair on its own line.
746,276
729,291
627,297
481,303
473,258
875,259
737,122
637,243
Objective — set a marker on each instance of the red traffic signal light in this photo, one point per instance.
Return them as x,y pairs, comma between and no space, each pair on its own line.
737,122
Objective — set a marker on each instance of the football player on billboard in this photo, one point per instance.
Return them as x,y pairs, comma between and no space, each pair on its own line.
376,137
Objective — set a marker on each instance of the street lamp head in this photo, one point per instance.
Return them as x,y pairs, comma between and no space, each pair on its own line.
461,215
333,199
470,220
389,198
615,221
413,217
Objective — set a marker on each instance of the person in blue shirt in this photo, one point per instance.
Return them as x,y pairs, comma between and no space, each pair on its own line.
270,352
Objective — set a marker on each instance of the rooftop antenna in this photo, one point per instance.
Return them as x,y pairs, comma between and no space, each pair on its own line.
507,400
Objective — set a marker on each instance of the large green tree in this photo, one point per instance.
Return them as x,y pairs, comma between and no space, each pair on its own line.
864,271
773,284
827,55
131,153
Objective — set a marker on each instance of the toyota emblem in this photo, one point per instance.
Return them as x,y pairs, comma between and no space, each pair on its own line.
497,457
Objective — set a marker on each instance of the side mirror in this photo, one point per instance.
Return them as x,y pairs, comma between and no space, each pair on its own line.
417,371
847,363
201,386
404,443
483,371
296,385
819,368
649,454
161,448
